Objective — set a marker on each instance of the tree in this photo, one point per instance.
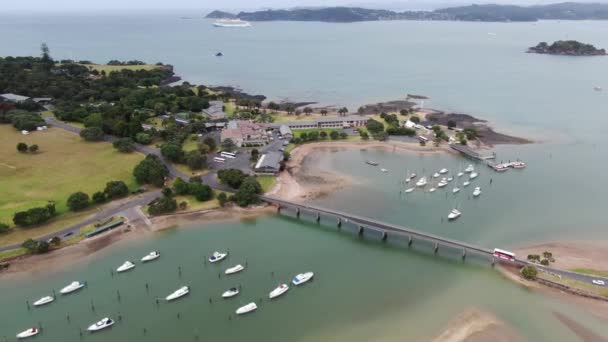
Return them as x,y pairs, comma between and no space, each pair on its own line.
116,189
374,126
404,112
231,177
222,199
45,60
172,152
255,154
529,272
124,145
324,112
286,155
167,192
307,111
202,192
99,197
143,138
93,120
343,111
248,192
548,255
195,160
181,187
415,119
343,135
92,134
22,147
304,136
228,145
78,201
33,148
204,148
30,245
381,136
273,106
34,216
334,135
4,228
151,170
209,141
545,262
56,240
162,205
364,135
451,124
323,134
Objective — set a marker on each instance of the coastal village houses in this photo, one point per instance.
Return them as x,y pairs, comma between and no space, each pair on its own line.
246,133
352,121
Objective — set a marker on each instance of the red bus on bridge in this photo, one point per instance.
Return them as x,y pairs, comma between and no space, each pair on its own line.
505,255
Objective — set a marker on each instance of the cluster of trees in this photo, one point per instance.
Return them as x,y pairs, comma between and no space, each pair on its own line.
133,62
21,120
529,272
22,147
113,190
164,204
151,170
547,258
248,187
124,145
39,247
195,187
319,135
35,215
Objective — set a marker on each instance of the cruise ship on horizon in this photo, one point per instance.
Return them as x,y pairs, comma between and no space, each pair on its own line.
231,23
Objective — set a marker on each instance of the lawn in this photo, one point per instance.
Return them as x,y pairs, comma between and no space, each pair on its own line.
191,143
12,253
598,290
590,271
267,182
64,164
230,109
194,205
111,68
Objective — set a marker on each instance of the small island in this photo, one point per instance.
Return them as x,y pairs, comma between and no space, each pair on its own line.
567,48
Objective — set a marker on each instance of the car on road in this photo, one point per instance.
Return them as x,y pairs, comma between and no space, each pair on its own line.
598,282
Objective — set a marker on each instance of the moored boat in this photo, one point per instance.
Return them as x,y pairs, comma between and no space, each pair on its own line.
455,190
421,182
466,183
443,171
435,175
182,291
301,278
469,168
246,308
281,289
126,266
28,333
460,174
151,256
231,292
235,269
73,286
44,300
454,214
231,23
407,191
450,179
102,324
473,175
432,190
384,170
217,256
442,183
477,192
372,163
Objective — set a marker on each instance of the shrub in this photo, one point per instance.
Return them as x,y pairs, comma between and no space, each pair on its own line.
99,197
124,145
180,187
78,201
34,215
143,138
222,198
195,160
162,205
33,148
116,189
151,170
529,272
22,147
415,119
92,134
201,192
4,228
334,135
545,262
374,126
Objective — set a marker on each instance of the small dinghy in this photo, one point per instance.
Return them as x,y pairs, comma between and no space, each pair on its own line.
477,192
460,174
435,175
231,292
473,175
281,289
407,191
182,291
44,300
74,286
28,333
151,256
235,269
104,323
466,183
450,179
454,214
455,190
126,266
246,308
301,278
217,256
443,171
432,190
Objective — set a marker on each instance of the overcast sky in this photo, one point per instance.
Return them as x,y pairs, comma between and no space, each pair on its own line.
88,5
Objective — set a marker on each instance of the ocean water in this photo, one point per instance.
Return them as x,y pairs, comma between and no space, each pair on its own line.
364,290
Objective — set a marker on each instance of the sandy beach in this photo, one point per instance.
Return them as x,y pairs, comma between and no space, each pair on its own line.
572,254
475,325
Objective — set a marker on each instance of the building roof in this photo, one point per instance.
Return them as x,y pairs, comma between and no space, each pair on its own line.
216,110
42,99
270,160
409,124
14,97
284,130
343,118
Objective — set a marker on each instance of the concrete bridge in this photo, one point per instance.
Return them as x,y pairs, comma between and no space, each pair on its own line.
364,224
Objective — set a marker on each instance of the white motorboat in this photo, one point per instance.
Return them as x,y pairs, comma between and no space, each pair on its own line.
477,192
102,324
421,182
435,175
407,191
460,174
217,256
466,183
235,269
443,183
231,23
73,286
443,171
182,291
372,163
127,265
518,165
413,175
44,300
407,180
281,289
231,292
455,190
454,214
473,175
450,179
384,170
28,333
432,190
469,168
301,278
246,308
151,256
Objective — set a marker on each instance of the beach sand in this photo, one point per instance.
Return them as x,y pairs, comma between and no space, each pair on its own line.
475,325
572,254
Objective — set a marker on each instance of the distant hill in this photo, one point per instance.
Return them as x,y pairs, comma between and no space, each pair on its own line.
567,48
501,13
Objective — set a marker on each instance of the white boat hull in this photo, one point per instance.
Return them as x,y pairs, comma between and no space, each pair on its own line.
28,333
150,257
302,278
278,291
125,267
217,257
230,294
103,324
246,309
71,288
44,301
235,269
178,294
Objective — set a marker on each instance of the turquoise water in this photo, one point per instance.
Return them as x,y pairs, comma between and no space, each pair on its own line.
364,290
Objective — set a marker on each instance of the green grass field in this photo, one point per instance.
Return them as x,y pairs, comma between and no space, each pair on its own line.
590,271
64,164
230,109
267,182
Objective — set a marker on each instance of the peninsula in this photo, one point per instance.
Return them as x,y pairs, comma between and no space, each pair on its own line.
567,48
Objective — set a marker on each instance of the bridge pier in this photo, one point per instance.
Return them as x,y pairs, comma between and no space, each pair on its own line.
298,212
279,208
339,222
493,261
464,254
318,217
409,241
436,248
360,232
384,236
